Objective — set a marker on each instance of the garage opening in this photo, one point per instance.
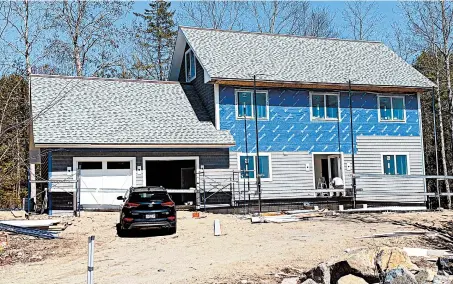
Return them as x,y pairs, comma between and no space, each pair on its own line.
177,176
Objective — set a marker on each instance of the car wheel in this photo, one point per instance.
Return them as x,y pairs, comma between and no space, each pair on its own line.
172,230
120,231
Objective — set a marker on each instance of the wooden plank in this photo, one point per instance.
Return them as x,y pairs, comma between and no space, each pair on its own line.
319,86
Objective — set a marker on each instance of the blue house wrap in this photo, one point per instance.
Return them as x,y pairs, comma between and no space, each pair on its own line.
291,129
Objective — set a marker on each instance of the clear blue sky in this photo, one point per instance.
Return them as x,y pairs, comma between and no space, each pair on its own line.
389,13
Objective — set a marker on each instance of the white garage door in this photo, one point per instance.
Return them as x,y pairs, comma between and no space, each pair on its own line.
102,181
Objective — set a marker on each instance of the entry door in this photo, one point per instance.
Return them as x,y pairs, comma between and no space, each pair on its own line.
334,162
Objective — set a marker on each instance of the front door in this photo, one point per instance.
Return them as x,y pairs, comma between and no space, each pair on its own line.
335,169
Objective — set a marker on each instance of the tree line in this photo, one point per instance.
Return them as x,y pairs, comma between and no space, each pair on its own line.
110,39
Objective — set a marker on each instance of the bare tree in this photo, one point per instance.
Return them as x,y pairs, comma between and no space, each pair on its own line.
212,14
431,24
319,24
401,42
361,18
278,16
27,23
291,17
88,33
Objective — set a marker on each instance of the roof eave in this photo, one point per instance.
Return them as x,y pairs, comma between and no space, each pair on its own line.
320,85
124,146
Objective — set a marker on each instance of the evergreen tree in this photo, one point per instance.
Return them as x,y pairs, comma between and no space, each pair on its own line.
155,43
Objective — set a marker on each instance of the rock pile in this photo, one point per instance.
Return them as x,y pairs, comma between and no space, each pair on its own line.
381,265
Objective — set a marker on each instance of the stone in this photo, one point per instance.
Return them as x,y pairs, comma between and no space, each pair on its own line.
319,274
445,265
400,276
309,281
425,275
351,279
292,280
363,261
392,258
443,279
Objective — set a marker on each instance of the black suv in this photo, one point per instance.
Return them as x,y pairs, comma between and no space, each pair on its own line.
147,208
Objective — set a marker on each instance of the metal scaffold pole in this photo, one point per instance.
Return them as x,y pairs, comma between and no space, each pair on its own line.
258,176
354,184
435,149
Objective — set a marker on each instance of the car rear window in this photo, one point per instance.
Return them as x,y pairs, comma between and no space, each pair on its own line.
148,196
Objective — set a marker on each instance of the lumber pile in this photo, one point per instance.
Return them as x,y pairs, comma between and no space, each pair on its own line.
288,216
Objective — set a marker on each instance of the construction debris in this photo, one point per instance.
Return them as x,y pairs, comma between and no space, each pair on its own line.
27,231
288,216
395,234
421,252
386,209
44,224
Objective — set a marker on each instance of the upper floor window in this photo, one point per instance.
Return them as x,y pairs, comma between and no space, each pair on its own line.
245,107
248,166
391,109
324,106
191,71
395,164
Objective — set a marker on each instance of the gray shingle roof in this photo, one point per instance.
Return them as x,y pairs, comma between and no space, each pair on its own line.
103,111
239,55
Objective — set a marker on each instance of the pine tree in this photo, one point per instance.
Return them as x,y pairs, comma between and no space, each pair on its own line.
156,41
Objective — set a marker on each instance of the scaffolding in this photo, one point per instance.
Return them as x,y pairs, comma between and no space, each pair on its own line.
46,193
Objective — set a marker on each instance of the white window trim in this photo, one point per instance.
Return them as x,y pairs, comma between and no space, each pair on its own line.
239,155
391,105
104,160
395,154
236,91
188,80
312,118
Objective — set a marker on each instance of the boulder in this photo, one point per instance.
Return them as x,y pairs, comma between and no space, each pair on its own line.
391,258
399,276
291,280
351,279
443,279
425,275
364,262
319,274
445,265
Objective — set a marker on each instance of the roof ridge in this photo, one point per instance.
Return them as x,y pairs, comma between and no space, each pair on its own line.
104,79
281,35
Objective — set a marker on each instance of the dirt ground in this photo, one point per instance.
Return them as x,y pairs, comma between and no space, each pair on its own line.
245,251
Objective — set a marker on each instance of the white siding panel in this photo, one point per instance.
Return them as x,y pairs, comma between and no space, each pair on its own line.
291,180
369,161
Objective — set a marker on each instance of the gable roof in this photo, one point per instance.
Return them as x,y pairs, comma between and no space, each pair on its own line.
76,110
231,55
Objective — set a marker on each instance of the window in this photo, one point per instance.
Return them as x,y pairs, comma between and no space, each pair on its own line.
118,165
90,165
191,71
395,164
248,165
324,106
245,104
391,109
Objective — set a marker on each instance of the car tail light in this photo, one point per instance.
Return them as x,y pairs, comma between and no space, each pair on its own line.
168,204
131,205
171,218
128,219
